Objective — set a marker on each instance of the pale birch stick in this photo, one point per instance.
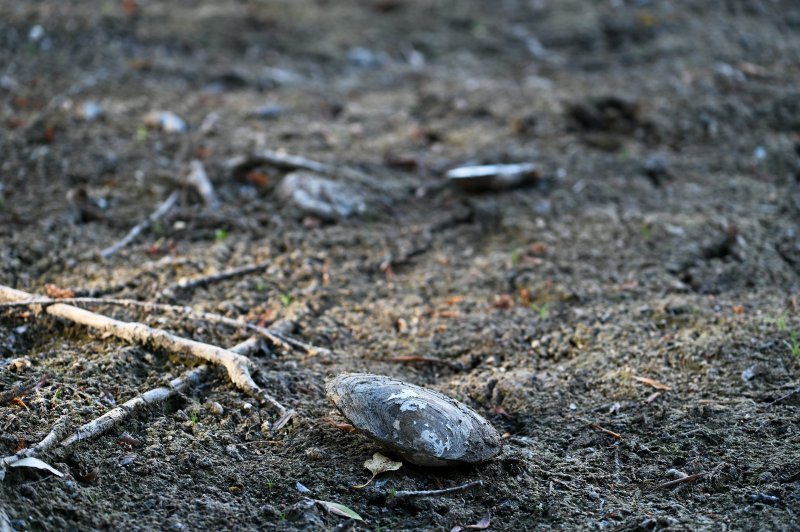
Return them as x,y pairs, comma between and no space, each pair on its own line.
237,366
274,336
118,414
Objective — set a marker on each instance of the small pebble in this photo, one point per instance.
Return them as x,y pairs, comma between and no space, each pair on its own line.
127,459
318,196
750,373
215,408
90,110
165,121
312,453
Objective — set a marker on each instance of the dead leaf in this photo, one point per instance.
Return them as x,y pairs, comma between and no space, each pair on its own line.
654,383
339,509
379,464
130,7
37,464
502,301
257,179
537,248
738,309
445,314
525,296
55,292
20,402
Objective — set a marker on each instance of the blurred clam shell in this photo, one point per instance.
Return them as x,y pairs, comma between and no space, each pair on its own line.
423,426
492,176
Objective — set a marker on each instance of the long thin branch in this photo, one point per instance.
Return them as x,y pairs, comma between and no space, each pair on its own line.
189,284
56,433
436,493
237,366
145,224
117,415
272,335
784,397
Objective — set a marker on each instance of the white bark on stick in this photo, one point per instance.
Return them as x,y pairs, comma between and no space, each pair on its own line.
198,179
117,415
237,366
273,335
49,441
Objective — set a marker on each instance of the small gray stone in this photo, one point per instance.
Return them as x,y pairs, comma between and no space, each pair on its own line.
321,197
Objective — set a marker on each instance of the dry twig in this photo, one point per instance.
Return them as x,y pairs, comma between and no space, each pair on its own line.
405,494
784,397
188,284
56,433
198,179
142,226
237,366
611,433
117,415
20,391
272,335
679,481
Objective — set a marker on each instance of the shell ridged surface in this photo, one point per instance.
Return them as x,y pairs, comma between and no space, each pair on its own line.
423,426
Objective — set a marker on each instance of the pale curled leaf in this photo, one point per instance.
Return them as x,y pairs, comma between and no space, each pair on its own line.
339,509
38,464
482,524
379,464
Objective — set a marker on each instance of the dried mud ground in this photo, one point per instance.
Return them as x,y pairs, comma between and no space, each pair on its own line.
659,248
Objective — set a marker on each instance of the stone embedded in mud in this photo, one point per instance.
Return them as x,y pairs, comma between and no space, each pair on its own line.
423,426
321,197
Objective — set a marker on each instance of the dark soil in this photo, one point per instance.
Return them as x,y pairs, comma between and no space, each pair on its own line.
660,242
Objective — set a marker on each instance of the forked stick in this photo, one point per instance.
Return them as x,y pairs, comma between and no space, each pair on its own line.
272,335
237,366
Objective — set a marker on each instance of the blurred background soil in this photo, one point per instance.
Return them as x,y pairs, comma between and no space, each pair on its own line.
647,284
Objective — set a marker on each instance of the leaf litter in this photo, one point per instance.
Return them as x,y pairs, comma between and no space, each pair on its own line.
379,464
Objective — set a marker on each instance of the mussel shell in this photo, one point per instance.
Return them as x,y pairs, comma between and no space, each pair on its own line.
492,176
424,426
